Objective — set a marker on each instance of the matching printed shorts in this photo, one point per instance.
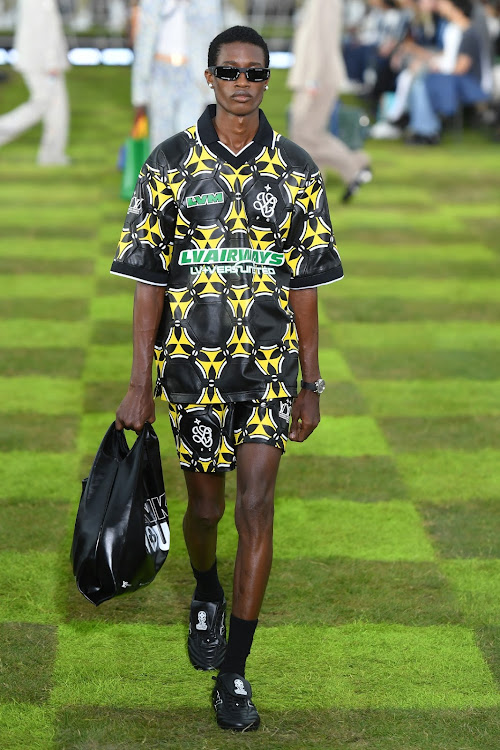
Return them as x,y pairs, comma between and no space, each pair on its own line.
206,437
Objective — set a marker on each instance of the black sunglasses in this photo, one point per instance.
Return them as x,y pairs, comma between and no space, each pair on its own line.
228,73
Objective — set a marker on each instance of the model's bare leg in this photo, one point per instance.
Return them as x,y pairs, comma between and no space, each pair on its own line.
257,470
205,509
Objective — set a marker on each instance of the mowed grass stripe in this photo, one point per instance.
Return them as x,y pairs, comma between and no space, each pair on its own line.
470,530
432,364
28,432
17,265
450,258
115,308
26,475
421,267
66,362
292,729
30,585
423,289
374,591
30,334
49,248
427,398
40,395
391,309
49,286
24,725
358,666
464,335
451,476
476,585
41,308
405,434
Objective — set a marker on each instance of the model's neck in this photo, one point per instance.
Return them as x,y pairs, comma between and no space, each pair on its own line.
235,132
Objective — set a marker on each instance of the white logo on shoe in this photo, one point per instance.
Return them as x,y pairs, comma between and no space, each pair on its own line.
239,688
202,621
202,434
266,203
126,585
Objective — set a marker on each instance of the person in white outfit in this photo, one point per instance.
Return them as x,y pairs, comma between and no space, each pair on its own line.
42,59
316,77
171,40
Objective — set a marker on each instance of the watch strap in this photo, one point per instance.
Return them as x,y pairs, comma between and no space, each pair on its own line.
312,386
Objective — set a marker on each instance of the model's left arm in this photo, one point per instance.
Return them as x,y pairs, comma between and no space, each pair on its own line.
305,411
316,262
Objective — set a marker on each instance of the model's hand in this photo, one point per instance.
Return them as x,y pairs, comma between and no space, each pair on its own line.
305,415
137,407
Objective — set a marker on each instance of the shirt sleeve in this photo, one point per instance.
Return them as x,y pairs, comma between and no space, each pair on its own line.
311,250
146,243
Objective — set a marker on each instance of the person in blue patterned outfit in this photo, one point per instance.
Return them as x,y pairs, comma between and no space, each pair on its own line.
228,235
170,45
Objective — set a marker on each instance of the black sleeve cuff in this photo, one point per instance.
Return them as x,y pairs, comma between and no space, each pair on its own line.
141,274
326,277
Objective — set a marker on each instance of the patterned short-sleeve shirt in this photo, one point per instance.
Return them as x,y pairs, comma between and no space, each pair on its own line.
228,236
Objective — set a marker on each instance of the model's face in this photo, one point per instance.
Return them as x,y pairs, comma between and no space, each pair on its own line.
239,97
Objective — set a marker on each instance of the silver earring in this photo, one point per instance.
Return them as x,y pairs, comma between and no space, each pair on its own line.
210,85
266,88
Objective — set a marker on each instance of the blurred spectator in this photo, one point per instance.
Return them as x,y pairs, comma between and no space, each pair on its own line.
405,23
436,85
42,59
170,55
316,78
368,41
441,92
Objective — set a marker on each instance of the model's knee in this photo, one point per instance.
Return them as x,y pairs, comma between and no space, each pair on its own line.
254,514
205,514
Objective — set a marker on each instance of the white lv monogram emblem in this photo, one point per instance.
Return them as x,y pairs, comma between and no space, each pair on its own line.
266,202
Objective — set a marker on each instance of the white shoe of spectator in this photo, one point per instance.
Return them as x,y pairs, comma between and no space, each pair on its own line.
384,130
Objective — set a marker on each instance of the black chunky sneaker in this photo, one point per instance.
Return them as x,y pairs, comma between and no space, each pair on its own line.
207,634
232,702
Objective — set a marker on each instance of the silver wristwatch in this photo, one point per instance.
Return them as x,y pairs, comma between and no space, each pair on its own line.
317,387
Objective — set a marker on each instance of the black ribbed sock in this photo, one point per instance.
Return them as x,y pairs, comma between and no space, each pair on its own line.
208,588
241,633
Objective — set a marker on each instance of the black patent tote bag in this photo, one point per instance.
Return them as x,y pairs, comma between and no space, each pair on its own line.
122,534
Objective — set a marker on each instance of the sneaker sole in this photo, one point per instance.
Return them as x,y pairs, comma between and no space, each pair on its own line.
250,728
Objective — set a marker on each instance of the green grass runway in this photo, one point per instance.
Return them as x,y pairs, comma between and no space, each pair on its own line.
381,626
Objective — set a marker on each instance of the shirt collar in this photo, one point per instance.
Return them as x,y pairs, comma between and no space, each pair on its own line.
207,133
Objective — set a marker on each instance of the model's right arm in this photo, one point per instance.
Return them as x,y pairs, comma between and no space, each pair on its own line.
138,405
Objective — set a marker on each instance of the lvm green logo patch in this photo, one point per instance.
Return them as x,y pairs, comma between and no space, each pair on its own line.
204,199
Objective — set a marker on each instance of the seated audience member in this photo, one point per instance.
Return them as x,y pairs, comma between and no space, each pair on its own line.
438,93
364,38
432,40
433,85
398,27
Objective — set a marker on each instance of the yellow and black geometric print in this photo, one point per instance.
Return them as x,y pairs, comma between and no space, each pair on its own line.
206,437
228,237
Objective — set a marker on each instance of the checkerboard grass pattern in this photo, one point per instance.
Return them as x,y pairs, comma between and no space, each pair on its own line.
381,626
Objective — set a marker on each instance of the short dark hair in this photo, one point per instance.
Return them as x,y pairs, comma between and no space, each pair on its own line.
236,34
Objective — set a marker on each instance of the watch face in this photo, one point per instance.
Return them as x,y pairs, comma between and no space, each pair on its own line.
320,385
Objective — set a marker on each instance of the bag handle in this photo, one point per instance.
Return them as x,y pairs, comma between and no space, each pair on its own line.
115,445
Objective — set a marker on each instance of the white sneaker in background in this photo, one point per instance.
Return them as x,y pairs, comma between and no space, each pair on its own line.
383,130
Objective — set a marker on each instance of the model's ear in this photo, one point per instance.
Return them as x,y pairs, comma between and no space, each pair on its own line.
209,78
